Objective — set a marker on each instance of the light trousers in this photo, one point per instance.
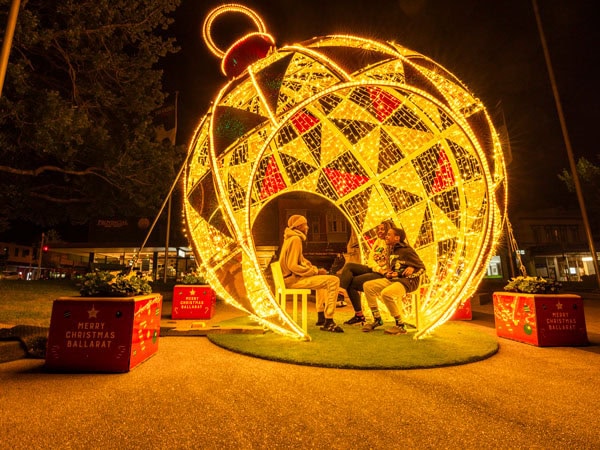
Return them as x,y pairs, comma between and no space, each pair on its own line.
391,292
326,287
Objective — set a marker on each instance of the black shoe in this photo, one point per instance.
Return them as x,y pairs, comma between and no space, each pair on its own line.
356,320
332,327
341,302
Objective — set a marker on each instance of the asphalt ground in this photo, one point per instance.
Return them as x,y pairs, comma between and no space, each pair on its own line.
193,394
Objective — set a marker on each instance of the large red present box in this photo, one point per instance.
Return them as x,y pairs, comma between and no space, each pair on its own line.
464,311
99,334
544,320
193,302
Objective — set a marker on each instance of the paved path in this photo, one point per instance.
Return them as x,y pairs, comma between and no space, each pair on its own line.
193,394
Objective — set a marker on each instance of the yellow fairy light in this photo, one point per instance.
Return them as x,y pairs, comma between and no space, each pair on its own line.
378,130
224,9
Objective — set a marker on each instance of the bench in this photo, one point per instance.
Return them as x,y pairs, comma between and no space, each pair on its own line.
281,293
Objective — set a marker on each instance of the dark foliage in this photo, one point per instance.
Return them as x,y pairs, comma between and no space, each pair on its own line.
76,131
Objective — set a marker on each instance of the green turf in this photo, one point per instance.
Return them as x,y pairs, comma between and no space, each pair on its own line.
451,344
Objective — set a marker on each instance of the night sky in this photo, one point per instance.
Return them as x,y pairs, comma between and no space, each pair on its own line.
492,46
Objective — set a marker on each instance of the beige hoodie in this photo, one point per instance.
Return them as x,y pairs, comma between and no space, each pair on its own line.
291,259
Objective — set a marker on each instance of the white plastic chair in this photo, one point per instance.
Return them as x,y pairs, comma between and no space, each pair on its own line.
410,306
281,293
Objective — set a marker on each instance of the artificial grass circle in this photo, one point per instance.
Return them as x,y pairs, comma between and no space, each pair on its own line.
453,343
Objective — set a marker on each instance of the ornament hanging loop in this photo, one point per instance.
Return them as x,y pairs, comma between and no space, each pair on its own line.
228,8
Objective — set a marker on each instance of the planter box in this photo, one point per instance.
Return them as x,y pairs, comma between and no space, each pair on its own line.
193,302
464,311
103,334
545,320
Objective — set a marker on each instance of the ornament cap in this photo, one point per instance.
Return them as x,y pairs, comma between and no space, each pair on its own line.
246,50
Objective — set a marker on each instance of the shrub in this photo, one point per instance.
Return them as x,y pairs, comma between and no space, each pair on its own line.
193,278
114,284
533,285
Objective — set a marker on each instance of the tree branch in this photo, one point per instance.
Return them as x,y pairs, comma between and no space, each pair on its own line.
42,169
35,172
58,200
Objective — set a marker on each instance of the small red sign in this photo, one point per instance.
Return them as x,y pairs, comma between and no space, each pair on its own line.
463,312
103,334
542,320
193,302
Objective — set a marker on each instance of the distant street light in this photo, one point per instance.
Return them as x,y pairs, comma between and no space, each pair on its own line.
565,133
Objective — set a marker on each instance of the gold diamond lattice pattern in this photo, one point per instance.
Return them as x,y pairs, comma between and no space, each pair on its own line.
380,132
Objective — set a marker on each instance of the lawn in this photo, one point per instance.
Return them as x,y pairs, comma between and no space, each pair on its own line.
30,302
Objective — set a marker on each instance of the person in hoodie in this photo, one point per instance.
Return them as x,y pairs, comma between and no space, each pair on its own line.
298,272
403,276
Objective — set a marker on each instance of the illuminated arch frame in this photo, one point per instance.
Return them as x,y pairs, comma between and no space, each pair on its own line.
244,230
481,260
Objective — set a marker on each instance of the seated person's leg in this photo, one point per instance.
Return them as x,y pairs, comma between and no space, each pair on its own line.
354,295
359,281
373,289
391,296
356,286
326,287
351,270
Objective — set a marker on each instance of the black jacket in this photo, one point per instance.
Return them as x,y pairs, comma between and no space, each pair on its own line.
401,257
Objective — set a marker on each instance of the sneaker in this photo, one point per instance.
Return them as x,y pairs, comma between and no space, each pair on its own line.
356,320
396,329
377,322
341,301
332,327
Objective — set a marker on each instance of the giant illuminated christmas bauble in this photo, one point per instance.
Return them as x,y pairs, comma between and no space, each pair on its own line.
378,130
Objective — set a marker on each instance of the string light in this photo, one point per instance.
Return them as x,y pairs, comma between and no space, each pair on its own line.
224,9
379,131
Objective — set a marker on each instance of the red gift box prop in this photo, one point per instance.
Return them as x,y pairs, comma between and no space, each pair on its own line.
542,320
193,302
464,311
98,334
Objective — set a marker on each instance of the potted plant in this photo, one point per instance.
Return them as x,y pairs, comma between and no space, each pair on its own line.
531,310
113,326
193,298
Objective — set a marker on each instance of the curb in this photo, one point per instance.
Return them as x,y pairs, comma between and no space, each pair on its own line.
13,348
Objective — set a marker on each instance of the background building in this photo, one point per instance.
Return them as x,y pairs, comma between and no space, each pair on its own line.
553,244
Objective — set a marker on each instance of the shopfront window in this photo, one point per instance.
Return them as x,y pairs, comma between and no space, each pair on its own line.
494,269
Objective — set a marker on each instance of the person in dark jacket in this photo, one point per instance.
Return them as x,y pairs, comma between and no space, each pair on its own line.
406,269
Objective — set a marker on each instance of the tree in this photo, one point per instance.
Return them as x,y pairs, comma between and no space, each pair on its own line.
76,132
589,177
